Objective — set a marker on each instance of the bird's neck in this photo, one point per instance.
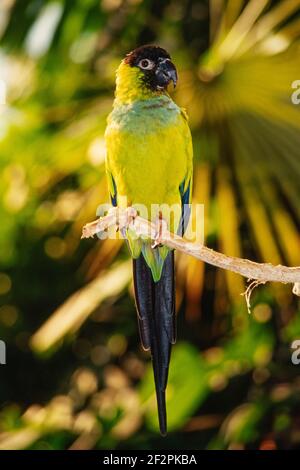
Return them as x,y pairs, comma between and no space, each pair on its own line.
130,86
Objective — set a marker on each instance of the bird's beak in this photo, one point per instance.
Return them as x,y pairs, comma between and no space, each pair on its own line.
165,73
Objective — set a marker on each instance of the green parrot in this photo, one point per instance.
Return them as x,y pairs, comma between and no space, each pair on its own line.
149,165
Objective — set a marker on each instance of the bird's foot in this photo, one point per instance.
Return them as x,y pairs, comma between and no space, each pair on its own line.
123,217
160,232
131,214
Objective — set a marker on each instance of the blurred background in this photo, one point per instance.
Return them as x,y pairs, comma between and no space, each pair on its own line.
76,376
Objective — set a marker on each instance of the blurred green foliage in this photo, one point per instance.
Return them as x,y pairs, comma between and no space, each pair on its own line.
76,376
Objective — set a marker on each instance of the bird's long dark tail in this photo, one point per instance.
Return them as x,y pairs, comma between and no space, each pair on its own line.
155,302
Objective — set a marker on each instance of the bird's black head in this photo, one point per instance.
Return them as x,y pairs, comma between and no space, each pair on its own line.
155,63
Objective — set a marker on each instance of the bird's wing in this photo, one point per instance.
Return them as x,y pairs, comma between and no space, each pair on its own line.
185,190
112,187
185,187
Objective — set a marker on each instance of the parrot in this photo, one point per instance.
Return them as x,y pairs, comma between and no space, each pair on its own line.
149,164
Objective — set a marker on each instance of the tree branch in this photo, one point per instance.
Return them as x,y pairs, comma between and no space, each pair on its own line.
262,272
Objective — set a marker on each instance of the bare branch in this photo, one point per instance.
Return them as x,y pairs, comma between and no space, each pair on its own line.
262,272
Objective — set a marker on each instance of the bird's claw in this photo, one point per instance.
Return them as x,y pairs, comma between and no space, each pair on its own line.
131,214
123,217
161,229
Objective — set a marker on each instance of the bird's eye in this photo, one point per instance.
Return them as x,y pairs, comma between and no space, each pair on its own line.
146,64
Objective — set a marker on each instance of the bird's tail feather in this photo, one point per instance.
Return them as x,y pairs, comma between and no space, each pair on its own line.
155,302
